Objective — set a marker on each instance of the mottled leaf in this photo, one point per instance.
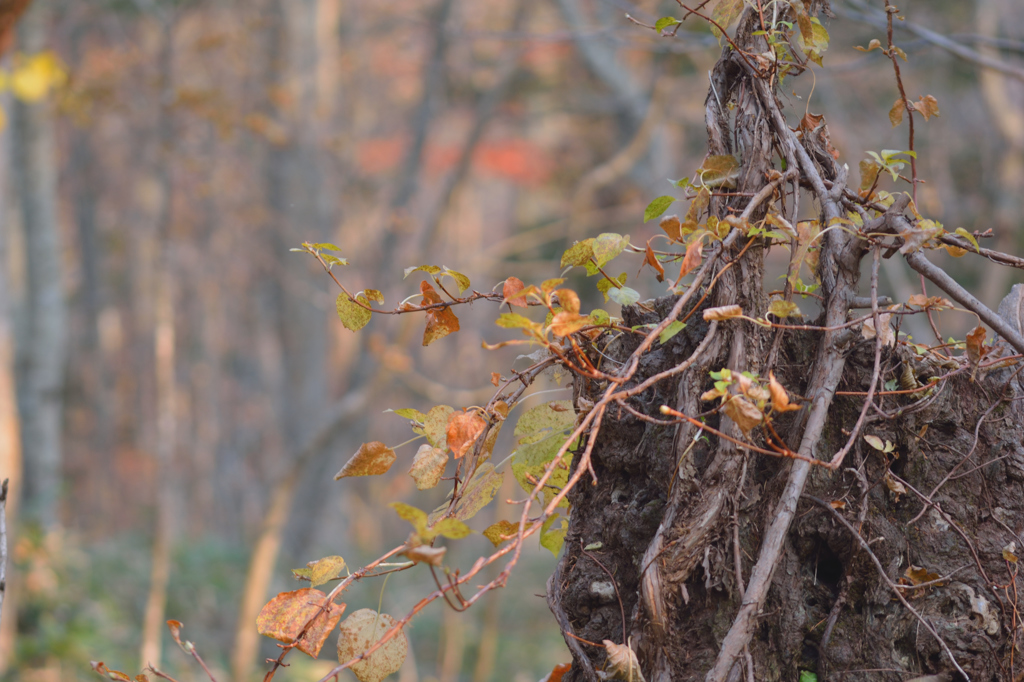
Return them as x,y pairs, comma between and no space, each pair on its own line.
325,570
284,617
352,315
435,425
359,632
607,246
372,459
495,532
657,207
479,490
428,466
579,253
463,430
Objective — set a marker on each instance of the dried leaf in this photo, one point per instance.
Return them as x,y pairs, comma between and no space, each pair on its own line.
725,312
672,227
362,630
928,106
428,466
875,442
561,669
975,345
426,554
743,412
837,504
512,286
463,430
888,334
652,260
692,259
568,300
495,378
566,323
284,617
918,575
495,532
622,662
780,399
440,321
896,113
372,459
1010,552
478,491
894,486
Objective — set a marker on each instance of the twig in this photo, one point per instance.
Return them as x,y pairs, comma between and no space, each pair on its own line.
3,542
892,586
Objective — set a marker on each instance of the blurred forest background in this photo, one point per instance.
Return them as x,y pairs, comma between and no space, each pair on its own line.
176,392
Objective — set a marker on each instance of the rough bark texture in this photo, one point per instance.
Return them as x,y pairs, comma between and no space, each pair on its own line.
678,517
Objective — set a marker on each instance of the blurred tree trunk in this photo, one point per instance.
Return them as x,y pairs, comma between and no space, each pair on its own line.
42,336
168,491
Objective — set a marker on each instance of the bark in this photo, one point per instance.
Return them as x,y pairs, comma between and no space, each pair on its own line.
42,337
731,563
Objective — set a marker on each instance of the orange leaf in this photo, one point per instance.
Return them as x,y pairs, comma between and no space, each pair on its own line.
372,459
780,399
651,260
565,323
896,113
672,227
495,378
463,430
513,285
440,321
975,343
694,253
284,617
928,106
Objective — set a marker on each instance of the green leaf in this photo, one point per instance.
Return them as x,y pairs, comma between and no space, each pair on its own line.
479,490
353,316
539,422
671,330
624,295
665,22
808,676
326,245
609,245
598,316
657,207
552,538
450,528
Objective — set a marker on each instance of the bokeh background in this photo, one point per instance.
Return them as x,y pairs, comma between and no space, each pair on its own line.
176,391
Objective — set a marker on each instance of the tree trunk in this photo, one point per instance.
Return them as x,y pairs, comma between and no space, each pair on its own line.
42,338
727,563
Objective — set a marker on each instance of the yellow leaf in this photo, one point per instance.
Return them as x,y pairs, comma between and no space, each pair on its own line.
780,399
359,632
33,77
372,459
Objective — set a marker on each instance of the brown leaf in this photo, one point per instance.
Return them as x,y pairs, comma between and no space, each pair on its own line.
513,285
1010,552
743,412
652,260
428,466
928,106
694,254
463,430
440,321
284,617
920,575
495,378
725,312
175,627
362,630
896,113
867,330
837,504
426,554
780,399
672,227
894,486
622,662
372,459
975,345
558,672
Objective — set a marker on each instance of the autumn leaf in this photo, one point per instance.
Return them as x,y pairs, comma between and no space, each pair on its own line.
428,466
928,106
495,378
463,430
725,312
918,575
325,570
435,425
359,632
607,246
284,617
512,286
426,554
721,170
566,323
1010,553
579,253
896,113
781,308
780,399
743,412
352,315
479,490
692,259
372,459
622,662
440,321
725,13
894,486
975,345
561,669
495,531
672,227
868,331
